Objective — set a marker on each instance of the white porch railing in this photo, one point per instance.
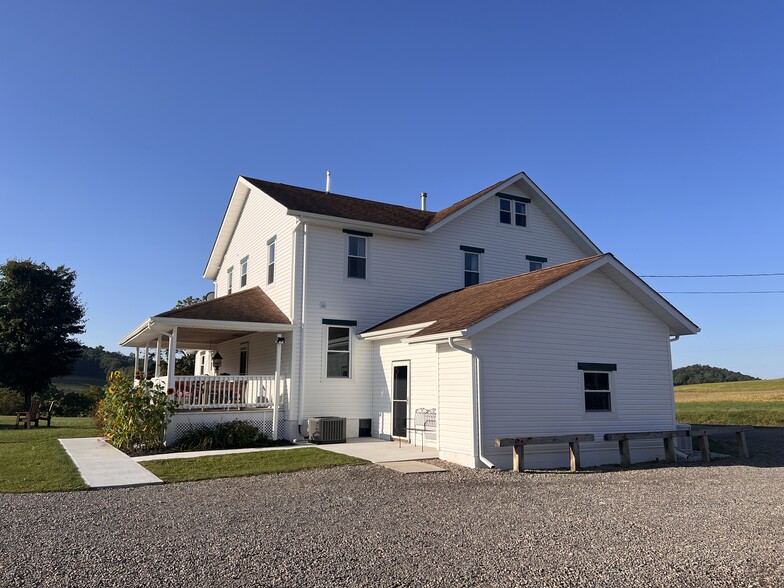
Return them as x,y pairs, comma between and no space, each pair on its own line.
223,392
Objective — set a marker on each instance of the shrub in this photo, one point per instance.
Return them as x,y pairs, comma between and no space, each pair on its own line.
73,403
11,401
135,417
228,435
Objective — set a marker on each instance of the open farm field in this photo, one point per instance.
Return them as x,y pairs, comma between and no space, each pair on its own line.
758,403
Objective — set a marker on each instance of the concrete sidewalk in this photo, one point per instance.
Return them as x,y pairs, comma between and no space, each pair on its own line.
104,466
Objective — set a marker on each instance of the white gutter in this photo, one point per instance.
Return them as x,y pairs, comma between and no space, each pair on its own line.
675,338
301,388
478,421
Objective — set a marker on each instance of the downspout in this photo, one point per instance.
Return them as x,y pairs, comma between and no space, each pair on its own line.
303,282
478,380
675,338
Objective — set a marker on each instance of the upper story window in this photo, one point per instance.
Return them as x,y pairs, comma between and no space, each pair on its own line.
356,266
512,210
535,263
271,260
230,279
338,347
244,272
471,264
597,385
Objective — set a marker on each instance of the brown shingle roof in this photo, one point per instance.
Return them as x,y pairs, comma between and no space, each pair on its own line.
252,306
337,205
460,309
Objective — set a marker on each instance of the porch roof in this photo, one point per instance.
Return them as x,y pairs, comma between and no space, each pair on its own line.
207,324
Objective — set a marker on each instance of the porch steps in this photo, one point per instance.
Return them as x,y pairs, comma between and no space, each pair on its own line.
104,466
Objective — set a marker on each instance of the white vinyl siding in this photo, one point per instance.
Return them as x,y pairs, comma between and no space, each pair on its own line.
531,383
456,406
261,218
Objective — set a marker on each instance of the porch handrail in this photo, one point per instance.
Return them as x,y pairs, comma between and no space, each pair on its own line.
224,392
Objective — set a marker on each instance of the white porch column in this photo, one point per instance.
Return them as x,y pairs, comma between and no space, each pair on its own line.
136,363
158,357
172,360
276,401
146,358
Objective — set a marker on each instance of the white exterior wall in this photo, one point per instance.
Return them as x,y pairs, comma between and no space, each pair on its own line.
531,385
261,219
456,440
423,381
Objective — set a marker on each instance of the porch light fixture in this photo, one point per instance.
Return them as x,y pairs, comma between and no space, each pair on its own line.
217,360
280,339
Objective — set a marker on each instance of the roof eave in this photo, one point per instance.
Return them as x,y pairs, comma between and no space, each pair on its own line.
339,221
396,332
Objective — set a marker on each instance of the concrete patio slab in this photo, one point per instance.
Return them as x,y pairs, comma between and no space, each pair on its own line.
380,451
411,467
104,466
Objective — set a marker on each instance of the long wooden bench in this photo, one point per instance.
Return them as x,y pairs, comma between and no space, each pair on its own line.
669,441
518,446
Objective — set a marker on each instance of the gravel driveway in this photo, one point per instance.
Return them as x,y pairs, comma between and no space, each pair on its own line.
688,525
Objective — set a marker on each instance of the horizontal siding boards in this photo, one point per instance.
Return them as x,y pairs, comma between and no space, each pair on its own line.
530,378
455,402
261,219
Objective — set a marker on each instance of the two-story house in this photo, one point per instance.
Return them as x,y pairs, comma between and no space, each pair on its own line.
496,311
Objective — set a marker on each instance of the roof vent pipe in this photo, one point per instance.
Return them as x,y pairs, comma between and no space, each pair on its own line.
327,190
423,200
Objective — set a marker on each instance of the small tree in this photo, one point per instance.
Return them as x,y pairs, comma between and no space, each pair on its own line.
39,316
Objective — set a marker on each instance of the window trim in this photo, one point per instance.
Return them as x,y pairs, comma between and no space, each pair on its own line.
244,271
532,260
326,325
512,201
466,271
229,279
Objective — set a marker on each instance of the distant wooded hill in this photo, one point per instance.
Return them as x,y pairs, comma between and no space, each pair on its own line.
706,374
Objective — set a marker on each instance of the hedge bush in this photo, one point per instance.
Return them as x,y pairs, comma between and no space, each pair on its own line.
228,435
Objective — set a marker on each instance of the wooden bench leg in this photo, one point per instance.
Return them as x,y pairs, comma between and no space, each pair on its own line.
626,456
743,449
705,448
574,456
669,449
518,459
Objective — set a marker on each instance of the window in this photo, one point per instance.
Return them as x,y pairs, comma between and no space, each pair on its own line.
202,360
535,263
512,210
471,268
338,351
357,257
597,382
229,278
244,359
244,272
271,261
471,264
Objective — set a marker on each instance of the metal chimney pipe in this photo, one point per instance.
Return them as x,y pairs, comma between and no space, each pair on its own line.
327,190
423,200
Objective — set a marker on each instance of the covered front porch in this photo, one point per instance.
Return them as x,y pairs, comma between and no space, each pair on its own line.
241,360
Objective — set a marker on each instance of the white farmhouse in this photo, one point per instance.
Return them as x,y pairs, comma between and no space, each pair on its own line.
497,312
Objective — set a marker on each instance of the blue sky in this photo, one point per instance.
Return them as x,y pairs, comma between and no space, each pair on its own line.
657,127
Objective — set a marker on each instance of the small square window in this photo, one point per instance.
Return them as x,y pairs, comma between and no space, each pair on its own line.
357,257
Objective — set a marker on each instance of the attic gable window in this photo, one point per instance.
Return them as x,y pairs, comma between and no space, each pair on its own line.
229,279
357,243
512,210
244,272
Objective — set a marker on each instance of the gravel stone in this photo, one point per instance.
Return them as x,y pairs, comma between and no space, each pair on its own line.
651,525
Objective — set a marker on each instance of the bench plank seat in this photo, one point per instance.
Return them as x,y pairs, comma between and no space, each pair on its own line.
518,446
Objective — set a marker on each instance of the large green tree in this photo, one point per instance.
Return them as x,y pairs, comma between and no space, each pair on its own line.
39,316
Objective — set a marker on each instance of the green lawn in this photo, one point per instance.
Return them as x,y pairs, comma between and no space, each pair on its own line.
758,403
33,460
246,464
